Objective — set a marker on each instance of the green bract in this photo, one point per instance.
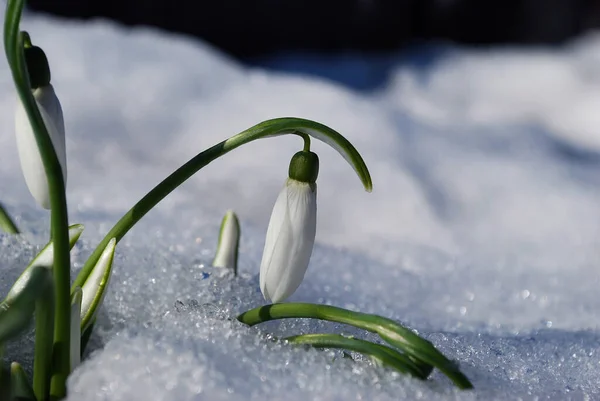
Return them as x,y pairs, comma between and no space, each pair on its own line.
37,66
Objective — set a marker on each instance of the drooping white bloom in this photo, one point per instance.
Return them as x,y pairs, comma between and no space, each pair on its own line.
289,241
29,154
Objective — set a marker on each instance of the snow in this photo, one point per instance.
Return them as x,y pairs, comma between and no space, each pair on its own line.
482,231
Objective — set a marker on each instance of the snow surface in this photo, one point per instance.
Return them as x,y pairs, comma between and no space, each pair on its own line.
481,232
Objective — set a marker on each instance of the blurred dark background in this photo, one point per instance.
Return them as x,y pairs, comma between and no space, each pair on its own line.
254,28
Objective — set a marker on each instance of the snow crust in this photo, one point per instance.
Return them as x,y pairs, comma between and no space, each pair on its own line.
482,231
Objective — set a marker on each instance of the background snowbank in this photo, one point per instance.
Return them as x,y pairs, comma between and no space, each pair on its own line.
481,231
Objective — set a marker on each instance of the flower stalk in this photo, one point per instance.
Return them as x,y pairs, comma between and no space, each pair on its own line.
14,44
269,128
44,327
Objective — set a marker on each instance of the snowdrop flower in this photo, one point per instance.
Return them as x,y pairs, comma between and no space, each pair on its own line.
291,232
51,111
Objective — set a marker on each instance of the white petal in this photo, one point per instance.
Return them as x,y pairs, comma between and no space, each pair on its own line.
31,160
289,242
276,224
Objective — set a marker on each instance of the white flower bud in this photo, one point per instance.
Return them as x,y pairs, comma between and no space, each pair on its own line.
29,154
289,241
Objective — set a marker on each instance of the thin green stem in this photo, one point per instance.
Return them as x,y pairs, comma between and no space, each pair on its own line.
386,355
13,44
6,223
275,127
390,331
42,361
306,138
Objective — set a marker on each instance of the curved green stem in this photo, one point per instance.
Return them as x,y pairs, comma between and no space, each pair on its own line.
6,223
306,139
386,355
275,127
13,45
390,331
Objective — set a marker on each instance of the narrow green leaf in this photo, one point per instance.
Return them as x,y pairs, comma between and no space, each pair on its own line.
16,313
94,288
384,355
229,241
393,333
20,388
6,223
44,258
76,298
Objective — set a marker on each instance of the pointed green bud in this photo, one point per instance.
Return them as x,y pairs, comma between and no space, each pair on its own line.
229,242
44,258
20,387
304,167
16,312
96,284
37,67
